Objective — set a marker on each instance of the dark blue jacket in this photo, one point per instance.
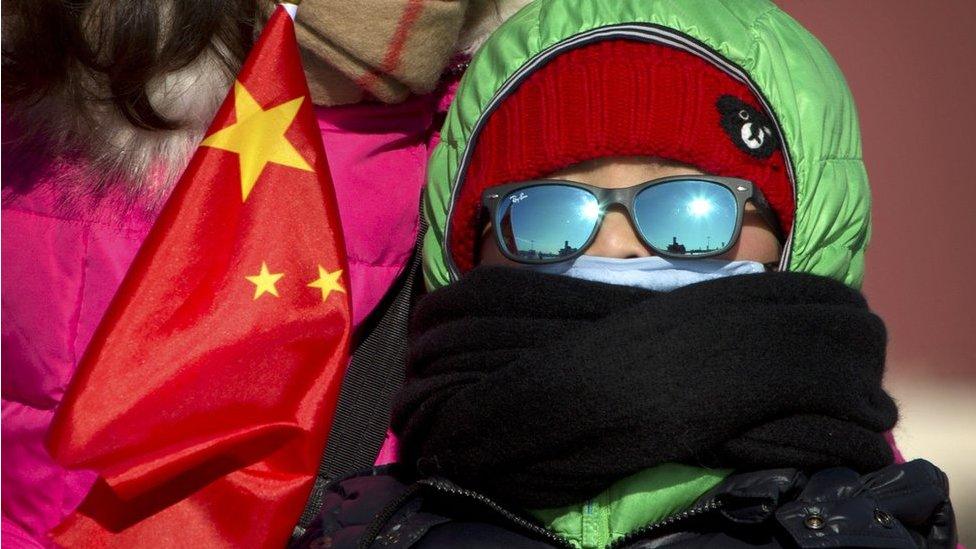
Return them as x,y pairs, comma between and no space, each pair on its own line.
901,506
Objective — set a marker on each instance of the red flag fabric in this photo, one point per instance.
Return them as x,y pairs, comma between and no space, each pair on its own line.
207,392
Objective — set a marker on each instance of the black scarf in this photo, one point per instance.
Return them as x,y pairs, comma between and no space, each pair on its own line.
542,390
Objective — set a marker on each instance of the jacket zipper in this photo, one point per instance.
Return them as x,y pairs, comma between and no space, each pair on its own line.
706,507
376,526
445,487
647,32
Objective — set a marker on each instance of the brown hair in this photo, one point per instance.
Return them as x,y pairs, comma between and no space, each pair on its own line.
110,50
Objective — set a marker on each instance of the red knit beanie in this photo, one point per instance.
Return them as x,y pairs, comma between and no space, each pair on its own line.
622,98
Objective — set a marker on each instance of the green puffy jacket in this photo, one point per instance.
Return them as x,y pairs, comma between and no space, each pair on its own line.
802,87
787,67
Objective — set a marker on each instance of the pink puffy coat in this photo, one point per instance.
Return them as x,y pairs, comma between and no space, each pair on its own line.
61,267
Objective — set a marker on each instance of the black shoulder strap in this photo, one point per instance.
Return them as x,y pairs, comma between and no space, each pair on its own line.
374,374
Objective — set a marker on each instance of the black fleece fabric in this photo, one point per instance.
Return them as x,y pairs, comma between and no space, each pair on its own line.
541,390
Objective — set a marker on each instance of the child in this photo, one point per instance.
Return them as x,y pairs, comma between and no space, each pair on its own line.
603,378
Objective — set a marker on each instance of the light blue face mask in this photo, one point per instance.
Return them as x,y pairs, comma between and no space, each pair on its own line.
651,273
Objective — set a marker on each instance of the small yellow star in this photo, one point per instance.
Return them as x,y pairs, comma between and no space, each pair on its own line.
328,282
264,282
258,137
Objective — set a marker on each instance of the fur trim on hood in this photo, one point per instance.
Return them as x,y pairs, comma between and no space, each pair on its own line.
95,149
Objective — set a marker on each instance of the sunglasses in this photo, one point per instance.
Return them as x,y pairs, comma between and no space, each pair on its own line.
548,221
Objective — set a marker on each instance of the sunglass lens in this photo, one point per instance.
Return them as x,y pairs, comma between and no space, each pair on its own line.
546,222
686,217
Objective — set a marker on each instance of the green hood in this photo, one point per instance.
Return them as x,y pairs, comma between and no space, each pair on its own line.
787,67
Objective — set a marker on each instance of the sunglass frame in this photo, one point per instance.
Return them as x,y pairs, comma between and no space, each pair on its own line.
742,189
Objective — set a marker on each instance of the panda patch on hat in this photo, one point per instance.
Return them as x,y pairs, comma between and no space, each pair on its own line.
749,129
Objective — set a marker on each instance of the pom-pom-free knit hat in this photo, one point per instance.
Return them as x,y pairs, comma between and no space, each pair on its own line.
622,98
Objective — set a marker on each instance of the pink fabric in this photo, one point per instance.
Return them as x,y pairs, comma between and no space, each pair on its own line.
390,450
61,269
899,458
378,157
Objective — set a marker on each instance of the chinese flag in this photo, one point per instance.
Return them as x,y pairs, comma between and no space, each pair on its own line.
205,397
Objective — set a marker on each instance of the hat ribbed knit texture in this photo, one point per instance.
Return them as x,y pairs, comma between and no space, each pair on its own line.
613,98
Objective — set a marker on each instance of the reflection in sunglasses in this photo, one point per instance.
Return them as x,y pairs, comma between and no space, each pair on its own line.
590,210
681,217
700,207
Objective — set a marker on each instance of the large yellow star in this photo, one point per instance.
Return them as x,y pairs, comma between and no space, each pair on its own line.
328,282
258,137
264,282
